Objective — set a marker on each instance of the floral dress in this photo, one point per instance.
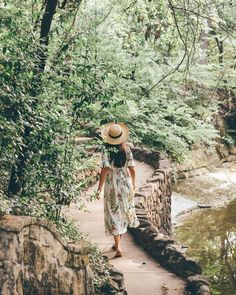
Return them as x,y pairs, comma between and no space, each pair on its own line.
119,208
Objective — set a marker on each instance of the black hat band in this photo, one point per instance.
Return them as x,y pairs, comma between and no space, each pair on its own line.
114,137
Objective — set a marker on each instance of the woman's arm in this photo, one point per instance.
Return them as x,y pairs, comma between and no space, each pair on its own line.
103,175
133,176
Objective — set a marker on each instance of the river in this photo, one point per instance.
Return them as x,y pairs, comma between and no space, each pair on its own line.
210,234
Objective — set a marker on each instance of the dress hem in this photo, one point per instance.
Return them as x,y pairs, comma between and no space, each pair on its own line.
115,234
123,232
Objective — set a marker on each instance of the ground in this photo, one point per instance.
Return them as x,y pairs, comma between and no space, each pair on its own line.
143,275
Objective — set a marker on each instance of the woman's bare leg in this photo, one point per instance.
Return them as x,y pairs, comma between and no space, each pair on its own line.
117,241
114,246
117,244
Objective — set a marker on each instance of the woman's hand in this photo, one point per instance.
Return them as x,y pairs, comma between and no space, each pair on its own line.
103,176
98,194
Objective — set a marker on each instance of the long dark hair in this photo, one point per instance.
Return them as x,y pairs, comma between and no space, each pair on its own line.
117,154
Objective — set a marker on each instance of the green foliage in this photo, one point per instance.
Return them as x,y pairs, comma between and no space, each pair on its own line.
142,62
5,206
102,60
101,269
139,63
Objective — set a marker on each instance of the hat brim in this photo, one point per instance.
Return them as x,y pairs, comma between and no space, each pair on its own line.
108,139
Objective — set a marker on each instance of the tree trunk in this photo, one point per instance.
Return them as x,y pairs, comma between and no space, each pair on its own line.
203,47
18,169
204,43
220,45
45,30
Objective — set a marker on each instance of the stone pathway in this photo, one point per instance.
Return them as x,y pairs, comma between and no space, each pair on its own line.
142,274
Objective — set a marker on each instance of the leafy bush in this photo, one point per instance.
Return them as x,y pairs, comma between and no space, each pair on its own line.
101,62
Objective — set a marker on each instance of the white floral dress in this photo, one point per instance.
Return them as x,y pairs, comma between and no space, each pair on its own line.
119,208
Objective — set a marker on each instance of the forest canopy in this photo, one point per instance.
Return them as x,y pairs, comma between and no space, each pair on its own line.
167,68
66,67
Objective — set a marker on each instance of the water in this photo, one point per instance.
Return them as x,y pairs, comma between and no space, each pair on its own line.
215,188
211,237
179,205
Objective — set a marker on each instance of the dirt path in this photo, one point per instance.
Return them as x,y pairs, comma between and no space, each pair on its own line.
142,274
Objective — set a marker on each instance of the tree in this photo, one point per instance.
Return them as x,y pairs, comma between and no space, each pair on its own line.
137,62
17,170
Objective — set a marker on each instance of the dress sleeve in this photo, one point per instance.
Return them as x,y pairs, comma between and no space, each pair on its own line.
130,158
104,161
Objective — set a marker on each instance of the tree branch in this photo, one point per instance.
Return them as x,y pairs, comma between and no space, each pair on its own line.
203,16
176,68
106,16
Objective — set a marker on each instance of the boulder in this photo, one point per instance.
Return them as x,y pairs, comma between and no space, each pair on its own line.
34,259
198,285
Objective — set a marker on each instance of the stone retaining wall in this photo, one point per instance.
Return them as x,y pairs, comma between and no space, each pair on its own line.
153,201
153,208
34,260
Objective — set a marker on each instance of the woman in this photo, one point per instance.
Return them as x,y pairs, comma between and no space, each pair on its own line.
118,175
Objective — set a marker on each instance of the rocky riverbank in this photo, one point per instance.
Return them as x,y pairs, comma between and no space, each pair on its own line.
206,179
213,189
203,219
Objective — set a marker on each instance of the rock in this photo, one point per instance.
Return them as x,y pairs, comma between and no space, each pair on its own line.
226,165
142,216
164,164
144,223
147,156
174,253
231,158
37,261
115,273
175,259
232,150
198,284
117,279
196,172
161,242
222,151
138,206
191,267
157,177
203,290
199,157
151,230
164,289
148,188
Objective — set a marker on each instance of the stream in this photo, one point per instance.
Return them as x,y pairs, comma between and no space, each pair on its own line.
210,234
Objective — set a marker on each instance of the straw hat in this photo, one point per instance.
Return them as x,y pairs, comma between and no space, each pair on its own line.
114,133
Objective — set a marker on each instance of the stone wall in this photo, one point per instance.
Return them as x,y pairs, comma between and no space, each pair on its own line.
153,208
34,260
153,201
